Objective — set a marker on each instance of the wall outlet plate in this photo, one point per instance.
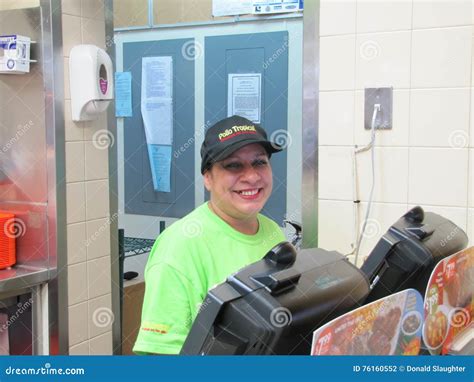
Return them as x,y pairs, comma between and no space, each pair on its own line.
384,97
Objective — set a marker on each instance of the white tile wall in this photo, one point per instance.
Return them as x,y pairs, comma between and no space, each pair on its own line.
471,133
89,256
337,17
98,238
441,57
441,13
77,288
80,349
391,174
74,161
336,118
471,179
335,173
383,59
337,64
99,277
78,331
377,16
101,317
76,243
424,50
336,225
470,226
101,345
439,117
75,196
97,164
438,177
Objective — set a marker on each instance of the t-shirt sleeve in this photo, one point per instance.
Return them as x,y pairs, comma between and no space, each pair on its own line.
167,312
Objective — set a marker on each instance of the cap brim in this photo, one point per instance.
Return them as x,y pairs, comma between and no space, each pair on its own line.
270,148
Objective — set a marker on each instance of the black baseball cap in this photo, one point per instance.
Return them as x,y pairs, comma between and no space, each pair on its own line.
230,134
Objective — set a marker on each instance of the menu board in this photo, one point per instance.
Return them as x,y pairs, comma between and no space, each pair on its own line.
449,301
389,326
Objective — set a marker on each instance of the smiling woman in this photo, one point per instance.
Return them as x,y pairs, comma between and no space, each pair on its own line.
216,239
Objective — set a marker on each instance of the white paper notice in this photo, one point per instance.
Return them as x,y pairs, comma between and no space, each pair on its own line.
231,7
244,96
157,99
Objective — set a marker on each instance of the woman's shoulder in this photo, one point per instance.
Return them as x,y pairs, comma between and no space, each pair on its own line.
180,239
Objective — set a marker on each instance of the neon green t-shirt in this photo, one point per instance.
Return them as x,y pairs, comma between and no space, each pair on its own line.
190,257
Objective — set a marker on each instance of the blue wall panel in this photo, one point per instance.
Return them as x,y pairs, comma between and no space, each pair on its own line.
140,196
265,53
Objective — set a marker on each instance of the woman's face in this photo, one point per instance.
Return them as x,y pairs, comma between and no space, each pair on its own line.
241,184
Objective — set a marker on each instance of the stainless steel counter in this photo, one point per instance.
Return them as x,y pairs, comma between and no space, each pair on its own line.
21,277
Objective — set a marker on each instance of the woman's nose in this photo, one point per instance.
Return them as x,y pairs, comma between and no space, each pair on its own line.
251,174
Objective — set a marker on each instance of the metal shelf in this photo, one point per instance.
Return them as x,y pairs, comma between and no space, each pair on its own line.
134,246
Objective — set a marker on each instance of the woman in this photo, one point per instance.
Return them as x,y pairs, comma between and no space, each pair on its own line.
216,239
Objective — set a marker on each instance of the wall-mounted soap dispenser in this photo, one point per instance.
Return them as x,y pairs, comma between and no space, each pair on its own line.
91,79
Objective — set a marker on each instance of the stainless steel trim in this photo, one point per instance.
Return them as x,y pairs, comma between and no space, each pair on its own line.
113,193
150,13
39,296
310,123
236,19
55,139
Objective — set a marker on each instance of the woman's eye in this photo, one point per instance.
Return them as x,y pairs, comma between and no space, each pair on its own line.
233,166
260,163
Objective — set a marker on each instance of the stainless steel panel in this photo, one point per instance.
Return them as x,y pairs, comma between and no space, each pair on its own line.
310,123
113,193
22,124
55,139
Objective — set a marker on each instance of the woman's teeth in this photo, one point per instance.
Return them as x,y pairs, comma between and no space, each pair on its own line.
249,193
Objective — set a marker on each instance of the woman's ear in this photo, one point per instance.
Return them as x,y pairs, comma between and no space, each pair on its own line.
207,180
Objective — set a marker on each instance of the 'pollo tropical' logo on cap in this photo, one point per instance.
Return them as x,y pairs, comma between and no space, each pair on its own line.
236,130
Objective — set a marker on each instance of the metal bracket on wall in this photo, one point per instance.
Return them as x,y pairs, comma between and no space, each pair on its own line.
383,97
